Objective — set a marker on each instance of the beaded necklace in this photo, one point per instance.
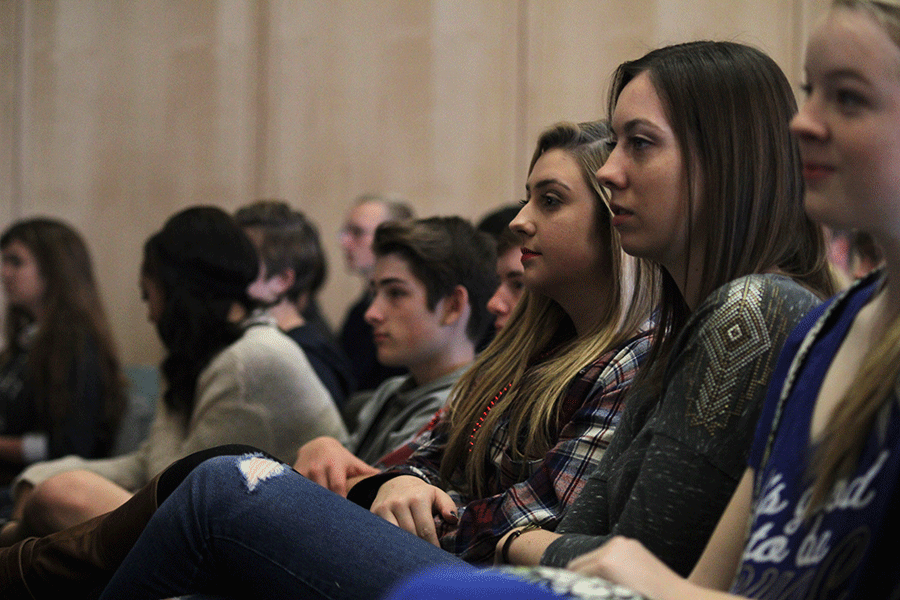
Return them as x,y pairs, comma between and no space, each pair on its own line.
484,415
542,356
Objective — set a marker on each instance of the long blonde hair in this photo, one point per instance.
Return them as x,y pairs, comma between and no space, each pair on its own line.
515,361
853,417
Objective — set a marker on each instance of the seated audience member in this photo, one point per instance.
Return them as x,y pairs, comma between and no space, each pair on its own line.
62,390
429,290
292,266
367,213
496,224
510,289
510,274
231,377
523,426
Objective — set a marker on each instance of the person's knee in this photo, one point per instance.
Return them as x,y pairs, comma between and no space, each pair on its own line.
248,470
58,502
257,469
215,487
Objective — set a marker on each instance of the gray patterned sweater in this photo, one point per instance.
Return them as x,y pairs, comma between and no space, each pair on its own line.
679,451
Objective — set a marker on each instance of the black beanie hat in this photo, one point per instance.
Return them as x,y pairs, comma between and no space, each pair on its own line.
203,251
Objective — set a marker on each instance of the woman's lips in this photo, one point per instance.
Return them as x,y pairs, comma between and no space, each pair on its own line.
619,215
528,254
813,172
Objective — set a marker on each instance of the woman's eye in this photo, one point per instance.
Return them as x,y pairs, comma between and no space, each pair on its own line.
639,143
550,200
610,144
850,100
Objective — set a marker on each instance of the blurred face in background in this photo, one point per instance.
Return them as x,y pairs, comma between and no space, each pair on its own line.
356,236
22,280
268,289
152,294
510,288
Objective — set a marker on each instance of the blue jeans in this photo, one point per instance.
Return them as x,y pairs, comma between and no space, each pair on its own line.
249,527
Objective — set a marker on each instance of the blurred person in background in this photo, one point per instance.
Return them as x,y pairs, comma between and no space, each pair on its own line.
367,213
292,267
429,293
510,272
62,390
231,377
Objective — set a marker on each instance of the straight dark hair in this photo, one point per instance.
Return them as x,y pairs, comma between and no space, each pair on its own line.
729,106
289,241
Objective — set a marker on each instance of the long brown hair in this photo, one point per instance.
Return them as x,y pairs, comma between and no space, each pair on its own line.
536,325
729,106
854,415
73,321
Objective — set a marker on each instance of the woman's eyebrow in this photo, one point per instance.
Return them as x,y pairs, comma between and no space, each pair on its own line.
545,183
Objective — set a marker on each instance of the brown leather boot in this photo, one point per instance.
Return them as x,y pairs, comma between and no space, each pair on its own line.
77,561
80,560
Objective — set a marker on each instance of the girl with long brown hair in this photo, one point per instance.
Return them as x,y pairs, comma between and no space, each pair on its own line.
62,390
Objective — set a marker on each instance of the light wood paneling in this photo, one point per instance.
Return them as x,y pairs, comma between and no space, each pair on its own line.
116,114
573,47
131,111
10,82
410,98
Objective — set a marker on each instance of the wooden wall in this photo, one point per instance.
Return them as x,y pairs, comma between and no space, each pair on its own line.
115,114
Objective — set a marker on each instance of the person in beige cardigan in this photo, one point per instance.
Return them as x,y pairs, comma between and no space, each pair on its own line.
231,375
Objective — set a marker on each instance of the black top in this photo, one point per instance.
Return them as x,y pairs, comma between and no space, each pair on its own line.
327,360
82,431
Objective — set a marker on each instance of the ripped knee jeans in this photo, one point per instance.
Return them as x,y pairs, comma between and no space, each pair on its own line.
248,526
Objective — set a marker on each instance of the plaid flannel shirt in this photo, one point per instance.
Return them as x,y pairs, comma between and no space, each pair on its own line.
588,416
